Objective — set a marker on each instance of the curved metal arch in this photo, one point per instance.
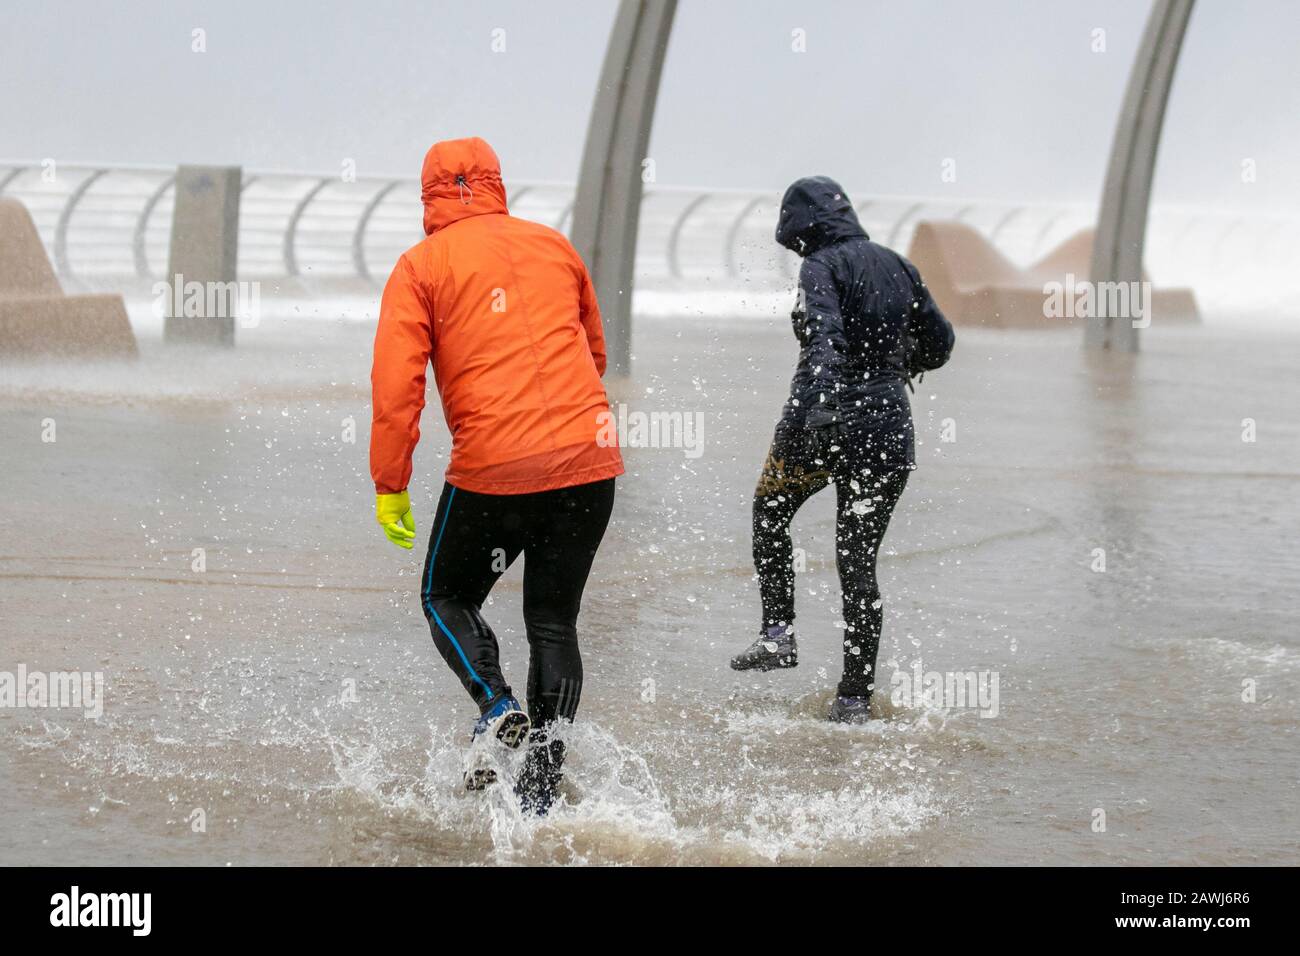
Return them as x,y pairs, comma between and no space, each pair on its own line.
9,177
1002,223
1186,233
902,221
138,252
291,229
675,234
1222,241
733,232
1266,245
359,232
61,263
607,210
1042,233
787,264
517,195
565,213
1126,196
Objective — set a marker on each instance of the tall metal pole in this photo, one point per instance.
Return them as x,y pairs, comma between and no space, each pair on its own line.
608,203
1122,223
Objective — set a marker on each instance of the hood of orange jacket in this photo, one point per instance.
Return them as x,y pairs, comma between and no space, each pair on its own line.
460,178
506,312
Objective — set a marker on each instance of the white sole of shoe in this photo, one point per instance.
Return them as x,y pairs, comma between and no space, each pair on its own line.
511,729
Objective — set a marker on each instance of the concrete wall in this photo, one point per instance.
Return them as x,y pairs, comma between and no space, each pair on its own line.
204,246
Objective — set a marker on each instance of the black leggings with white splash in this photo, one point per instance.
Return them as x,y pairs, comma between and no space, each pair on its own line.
864,501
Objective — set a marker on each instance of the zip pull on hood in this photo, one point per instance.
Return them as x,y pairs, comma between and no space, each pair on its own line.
816,212
461,178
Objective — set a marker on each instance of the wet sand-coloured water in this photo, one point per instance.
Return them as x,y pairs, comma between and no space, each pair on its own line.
288,697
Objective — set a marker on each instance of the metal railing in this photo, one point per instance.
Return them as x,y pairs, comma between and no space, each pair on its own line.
109,226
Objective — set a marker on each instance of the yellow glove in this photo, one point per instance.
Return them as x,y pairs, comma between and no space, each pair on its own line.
393,512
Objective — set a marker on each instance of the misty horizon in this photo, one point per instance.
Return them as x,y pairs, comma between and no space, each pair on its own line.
1015,98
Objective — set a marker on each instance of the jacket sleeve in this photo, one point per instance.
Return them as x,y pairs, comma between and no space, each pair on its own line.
930,335
589,315
825,340
403,344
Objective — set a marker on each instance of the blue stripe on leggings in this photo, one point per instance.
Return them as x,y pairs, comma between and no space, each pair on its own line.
428,603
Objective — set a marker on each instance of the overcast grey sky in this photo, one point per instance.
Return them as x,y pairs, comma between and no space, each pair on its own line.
1010,89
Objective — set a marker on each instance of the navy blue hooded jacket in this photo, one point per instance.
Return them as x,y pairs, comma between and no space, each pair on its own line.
865,322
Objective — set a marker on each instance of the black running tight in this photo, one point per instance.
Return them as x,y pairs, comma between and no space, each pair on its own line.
474,538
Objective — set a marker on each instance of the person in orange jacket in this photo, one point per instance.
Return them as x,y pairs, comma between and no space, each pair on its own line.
505,310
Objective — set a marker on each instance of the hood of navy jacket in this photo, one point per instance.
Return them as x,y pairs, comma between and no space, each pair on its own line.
816,212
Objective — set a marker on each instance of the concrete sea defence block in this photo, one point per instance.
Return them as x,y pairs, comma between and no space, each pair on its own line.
36,318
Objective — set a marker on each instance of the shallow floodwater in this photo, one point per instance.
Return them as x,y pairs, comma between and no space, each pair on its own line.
285,704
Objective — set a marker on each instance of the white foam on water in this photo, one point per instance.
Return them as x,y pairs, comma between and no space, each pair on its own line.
1237,653
808,712
608,788
759,779
786,824
613,809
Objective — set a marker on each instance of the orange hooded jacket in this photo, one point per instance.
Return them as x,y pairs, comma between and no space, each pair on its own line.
507,312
